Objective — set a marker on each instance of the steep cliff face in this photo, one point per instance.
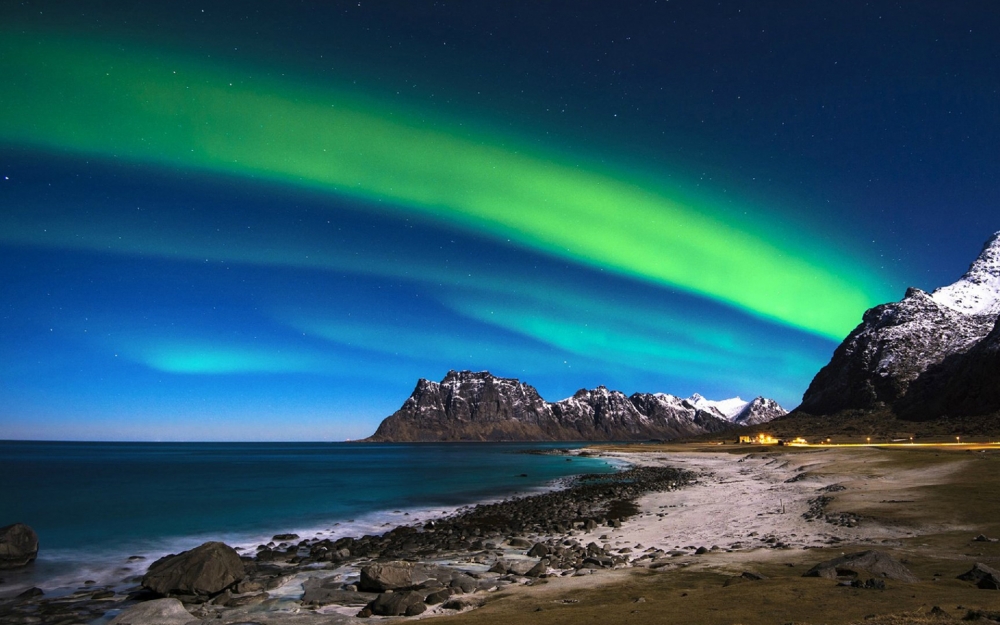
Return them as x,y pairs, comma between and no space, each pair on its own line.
914,350
601,414
482,407
469,406
894,345
961,385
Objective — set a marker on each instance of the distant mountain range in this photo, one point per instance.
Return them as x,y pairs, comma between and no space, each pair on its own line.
478,406
925,357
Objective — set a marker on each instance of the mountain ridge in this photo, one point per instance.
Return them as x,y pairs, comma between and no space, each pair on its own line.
468,405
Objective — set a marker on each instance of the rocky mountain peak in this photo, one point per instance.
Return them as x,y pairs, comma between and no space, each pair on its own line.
758,410
472,377
977,292
599,392
914,348
425,384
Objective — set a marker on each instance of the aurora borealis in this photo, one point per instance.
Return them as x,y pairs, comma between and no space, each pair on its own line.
213,241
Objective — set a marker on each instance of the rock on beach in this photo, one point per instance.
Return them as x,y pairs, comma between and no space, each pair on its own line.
983,576
18,546
408,602
513,567
877,563
386,576
156,612
205,570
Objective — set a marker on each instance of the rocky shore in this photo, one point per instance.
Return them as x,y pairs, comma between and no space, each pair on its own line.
443,565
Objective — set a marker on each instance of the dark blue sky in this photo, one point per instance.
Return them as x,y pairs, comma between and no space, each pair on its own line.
674,189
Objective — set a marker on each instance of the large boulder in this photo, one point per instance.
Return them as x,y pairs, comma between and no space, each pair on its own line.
325,591
875,563
18,546
408,602
518,566
156,612
983,576
539,551
381,577
205,570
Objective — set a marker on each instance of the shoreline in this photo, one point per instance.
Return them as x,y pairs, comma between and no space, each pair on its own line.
289,563
63,570
739,511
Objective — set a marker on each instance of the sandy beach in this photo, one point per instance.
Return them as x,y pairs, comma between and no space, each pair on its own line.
756,501
755,513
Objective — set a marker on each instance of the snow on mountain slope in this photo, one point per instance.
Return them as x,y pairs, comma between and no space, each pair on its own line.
728,408
978,291
760,410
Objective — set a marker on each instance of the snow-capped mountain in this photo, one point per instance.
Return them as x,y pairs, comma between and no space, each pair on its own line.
726,408
468,405
735,410
978,291
757,411
901,350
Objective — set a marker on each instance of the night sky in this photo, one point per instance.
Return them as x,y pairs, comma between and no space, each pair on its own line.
265,220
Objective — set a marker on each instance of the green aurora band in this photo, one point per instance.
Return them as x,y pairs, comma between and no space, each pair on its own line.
124,103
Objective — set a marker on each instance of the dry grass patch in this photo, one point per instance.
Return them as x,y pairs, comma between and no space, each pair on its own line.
697,598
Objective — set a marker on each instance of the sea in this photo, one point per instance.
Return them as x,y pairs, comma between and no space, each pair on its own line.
104,511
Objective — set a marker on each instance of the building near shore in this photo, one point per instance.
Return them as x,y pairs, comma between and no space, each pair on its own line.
758,439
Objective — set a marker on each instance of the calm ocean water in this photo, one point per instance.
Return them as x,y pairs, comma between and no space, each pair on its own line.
95,504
